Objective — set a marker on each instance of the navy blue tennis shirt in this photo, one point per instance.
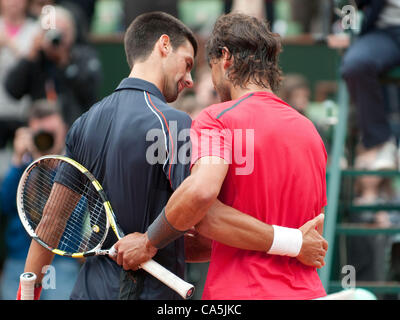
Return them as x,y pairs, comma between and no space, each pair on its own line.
136,146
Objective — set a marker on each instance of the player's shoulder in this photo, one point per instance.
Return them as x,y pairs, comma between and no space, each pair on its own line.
175,114
81,123
215,111
223,110
170,113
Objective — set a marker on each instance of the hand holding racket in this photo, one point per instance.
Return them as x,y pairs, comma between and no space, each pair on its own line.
64,208
135,245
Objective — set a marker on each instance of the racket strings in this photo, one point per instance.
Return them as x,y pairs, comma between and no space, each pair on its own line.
63,207
37,214
64,212
45,233
68,227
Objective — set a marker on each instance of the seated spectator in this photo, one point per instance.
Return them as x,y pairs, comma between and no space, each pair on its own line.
375,51
367,253
45,134
58,69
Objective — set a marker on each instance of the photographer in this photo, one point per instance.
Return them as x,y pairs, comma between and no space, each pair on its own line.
58,69
45,134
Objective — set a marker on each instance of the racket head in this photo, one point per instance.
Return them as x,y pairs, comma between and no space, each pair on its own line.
63,207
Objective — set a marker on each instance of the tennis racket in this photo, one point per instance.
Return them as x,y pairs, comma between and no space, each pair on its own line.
64,208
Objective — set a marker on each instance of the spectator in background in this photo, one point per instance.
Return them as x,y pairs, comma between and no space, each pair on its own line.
187,102
295,91
255,8
83,11
86,7
204,88
202,95
367,253
58,69
45,134
312,16
35,7
16,34
375,51
134,8
259,8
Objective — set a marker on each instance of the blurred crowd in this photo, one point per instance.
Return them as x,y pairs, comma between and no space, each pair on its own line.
50,73
49,76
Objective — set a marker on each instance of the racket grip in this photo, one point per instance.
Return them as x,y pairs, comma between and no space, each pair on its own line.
184,289
112,252
27,283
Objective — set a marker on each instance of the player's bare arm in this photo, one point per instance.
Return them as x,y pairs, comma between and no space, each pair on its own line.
197,198
194,197
50,228
221,221
197,247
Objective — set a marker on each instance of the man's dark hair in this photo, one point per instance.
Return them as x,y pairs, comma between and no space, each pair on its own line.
146,29
254,48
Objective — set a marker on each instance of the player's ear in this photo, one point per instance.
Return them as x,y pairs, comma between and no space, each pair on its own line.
164,45
227,57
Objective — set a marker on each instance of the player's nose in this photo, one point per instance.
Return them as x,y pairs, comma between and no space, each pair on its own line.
188,80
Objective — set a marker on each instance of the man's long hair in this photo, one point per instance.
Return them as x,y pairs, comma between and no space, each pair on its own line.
254,48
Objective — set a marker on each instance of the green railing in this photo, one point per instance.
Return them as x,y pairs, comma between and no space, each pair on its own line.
335,178
334,181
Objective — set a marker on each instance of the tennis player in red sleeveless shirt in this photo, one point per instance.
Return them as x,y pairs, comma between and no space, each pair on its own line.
282,182
258,156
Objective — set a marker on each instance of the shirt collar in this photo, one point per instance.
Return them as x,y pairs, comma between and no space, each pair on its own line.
139,84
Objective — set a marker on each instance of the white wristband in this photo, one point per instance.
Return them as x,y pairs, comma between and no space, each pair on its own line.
287,242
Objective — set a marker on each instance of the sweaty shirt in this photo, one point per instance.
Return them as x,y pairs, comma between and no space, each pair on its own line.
277,175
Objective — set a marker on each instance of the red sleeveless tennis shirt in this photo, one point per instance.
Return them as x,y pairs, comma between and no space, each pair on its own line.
277,175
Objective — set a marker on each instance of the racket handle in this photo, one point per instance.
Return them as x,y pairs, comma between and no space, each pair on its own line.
112,252
27,282
184,289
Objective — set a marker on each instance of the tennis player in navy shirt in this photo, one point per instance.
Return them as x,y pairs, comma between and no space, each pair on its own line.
112,140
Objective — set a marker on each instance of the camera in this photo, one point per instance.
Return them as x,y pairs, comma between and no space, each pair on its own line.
54,36
43,140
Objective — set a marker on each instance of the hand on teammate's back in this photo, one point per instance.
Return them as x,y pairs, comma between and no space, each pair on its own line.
314,246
